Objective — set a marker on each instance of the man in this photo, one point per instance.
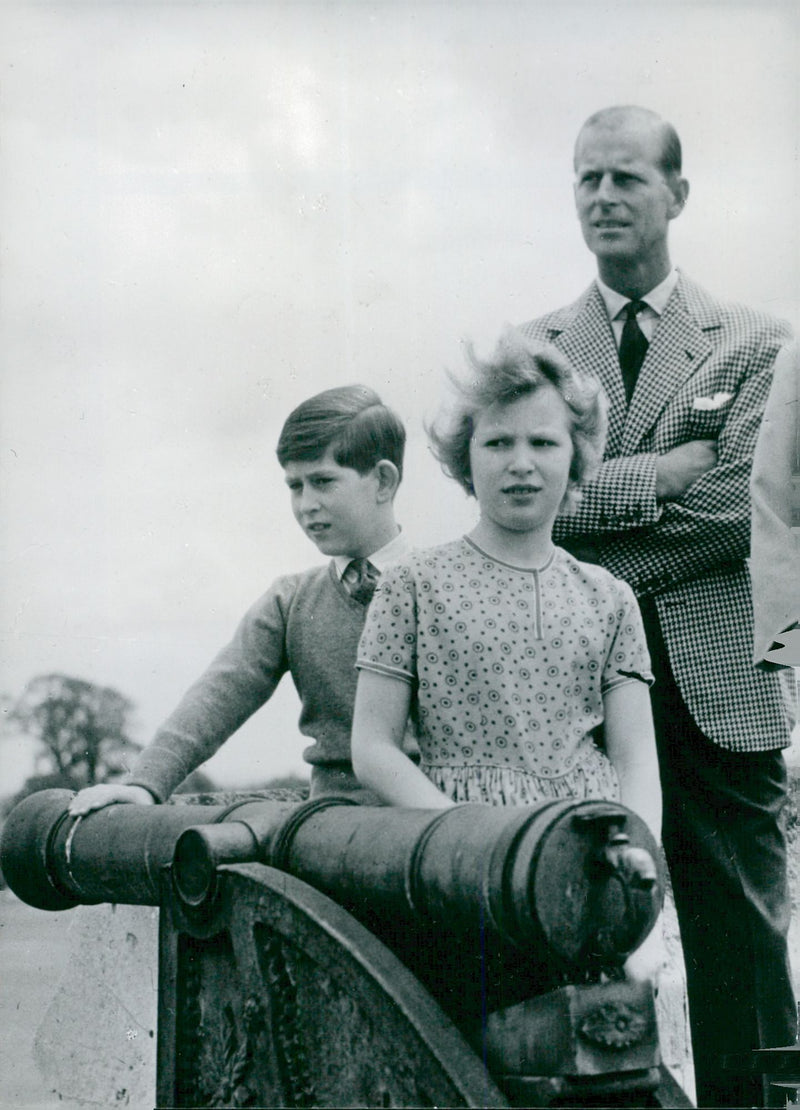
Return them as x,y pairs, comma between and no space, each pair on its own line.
686,378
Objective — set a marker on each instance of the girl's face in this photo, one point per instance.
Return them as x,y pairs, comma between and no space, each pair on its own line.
520,456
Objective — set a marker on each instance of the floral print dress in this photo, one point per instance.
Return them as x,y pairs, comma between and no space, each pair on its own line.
508,668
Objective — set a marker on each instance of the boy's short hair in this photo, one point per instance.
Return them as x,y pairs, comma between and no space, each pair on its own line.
352,420
518,367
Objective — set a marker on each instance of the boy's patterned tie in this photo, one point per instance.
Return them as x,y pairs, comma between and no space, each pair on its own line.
360,579
632,348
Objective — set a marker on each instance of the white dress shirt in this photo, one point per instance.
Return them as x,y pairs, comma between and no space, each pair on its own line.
655,302
397,548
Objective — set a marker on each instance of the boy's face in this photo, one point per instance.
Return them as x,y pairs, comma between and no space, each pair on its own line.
338,508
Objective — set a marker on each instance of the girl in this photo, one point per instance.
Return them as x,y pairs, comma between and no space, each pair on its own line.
526,671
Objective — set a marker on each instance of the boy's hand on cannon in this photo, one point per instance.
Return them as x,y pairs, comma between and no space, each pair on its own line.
107,794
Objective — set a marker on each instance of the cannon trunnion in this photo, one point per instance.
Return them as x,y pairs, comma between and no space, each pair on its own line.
328,954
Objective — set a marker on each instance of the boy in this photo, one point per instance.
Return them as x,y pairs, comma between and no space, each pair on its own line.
342,454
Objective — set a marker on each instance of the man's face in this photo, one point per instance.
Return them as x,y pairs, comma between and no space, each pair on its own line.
336,507
623,199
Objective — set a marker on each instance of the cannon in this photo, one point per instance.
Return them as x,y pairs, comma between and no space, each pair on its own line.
328,954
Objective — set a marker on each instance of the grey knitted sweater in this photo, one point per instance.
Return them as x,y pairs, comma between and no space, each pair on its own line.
306,624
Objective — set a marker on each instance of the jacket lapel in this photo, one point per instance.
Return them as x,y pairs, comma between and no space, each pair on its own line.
678,348
588,342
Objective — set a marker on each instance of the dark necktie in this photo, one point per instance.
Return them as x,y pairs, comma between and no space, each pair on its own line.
632,348
360,579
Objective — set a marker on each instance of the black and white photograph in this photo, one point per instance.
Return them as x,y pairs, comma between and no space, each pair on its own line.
400,607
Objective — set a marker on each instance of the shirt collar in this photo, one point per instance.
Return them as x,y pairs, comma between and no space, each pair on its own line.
395,549
656,299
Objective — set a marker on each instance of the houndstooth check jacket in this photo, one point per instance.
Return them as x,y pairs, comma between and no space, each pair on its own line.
689,555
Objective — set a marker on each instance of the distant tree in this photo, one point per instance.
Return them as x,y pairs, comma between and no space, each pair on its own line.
81,730
287,782
32,785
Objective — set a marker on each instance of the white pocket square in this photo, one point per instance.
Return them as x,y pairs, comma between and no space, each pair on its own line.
710,404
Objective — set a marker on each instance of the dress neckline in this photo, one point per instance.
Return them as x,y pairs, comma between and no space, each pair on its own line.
513,566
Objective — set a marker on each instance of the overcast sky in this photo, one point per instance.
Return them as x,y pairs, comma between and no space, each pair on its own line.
211,211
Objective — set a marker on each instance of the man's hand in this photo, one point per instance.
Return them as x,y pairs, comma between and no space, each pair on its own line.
107,794
678,468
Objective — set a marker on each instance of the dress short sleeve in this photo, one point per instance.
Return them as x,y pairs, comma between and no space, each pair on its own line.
388,643
628,659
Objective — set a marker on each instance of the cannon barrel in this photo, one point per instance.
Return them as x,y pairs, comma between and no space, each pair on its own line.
577,879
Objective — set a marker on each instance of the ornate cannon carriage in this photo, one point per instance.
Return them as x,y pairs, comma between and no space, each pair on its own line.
329,954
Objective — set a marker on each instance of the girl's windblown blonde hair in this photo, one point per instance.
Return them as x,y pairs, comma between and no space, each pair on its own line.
517,367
